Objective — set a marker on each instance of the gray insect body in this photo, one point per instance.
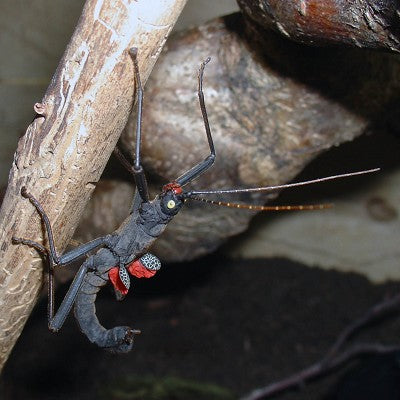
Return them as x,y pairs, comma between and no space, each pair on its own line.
137,234
120,252
125,250
139,231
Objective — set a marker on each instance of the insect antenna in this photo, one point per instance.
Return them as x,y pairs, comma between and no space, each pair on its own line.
194,194
278,187
264,208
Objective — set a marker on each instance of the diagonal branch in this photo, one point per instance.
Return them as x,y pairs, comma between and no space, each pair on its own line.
65,149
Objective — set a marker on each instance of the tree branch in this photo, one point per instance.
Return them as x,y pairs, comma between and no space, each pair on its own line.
65,149
336,356
372,24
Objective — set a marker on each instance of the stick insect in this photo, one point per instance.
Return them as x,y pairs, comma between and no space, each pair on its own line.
123,252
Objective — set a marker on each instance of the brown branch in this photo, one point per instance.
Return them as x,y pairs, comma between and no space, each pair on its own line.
373,24
336,356
65,149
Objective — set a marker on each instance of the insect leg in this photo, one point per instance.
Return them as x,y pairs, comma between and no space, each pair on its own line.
198,169
137,169
55,260
55,322
82,250
137,198
51,253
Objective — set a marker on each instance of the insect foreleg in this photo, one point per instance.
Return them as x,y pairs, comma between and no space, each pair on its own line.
137,169
201,167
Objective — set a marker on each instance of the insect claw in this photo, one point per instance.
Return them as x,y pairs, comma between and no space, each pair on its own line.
24,192
133,51
130,334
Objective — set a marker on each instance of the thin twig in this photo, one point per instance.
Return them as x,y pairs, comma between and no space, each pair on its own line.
335,357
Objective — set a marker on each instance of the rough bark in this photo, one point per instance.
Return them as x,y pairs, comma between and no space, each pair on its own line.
360,23
65,149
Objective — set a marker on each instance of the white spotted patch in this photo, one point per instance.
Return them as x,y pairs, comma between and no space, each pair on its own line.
150,262
124,276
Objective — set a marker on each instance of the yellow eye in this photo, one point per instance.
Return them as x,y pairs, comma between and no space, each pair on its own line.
171,204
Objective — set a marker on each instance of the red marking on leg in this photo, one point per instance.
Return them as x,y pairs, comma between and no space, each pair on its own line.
113,275
136,268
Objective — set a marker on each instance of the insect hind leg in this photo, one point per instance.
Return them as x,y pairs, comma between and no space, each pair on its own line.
56,320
